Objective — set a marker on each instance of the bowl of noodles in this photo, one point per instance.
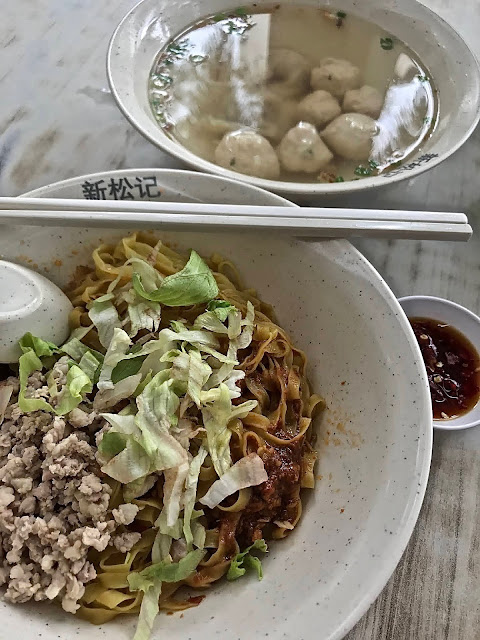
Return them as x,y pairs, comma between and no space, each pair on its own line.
223,437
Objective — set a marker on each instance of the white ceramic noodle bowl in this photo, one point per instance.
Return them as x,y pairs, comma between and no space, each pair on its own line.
374,442
29,302
150,24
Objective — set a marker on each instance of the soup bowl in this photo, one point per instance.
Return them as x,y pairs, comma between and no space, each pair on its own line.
374,440
149,26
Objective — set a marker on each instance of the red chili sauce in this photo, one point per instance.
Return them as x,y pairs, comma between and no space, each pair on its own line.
453,367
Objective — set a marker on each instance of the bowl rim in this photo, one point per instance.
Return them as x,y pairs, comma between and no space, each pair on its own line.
181,153
442,425
383,573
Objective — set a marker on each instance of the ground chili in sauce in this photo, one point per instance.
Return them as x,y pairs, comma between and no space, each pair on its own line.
453,367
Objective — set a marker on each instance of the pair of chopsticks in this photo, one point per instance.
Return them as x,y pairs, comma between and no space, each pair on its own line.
307,222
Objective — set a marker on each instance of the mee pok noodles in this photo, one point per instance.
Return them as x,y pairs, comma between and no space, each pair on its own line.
171,438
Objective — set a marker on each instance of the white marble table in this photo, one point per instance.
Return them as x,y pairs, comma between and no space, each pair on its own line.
58,120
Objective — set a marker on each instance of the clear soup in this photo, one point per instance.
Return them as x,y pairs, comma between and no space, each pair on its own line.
293,93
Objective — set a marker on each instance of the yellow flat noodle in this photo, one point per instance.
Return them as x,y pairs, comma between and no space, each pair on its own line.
92,591
111,560
307,477
97,615
148,514
113,599
113,580
252,443
177,605
275,376
207,473
147,502
281,532
240,503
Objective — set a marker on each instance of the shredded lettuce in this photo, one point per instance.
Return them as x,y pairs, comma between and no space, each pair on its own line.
90,365
217,412
245,560
212,321
190,494
247,472
151,278
192,285
245,338
143,315
76,349
179,333
150,582
165,571
130,463
121,391
124,424
112,444
222,308
78,383
126,368
117,349
216,416
104,316
138,488
190,369
148,433
40,347
27,364
173,491
136,360
199,534
148,611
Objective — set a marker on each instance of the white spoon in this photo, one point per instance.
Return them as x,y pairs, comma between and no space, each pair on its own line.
29,302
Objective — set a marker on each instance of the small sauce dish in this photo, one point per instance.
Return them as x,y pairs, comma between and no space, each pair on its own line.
29,302
457,355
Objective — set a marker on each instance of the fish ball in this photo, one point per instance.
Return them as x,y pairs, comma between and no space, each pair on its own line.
366,100
336,76
350,136
288,73
319,108
302,149
248,152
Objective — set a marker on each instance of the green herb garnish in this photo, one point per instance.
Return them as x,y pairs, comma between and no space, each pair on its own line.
178,50
423,78
386,44
162,80
362,171
339,18
339,179
244,560
366,171
197,58
240,11
426,120
219,17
